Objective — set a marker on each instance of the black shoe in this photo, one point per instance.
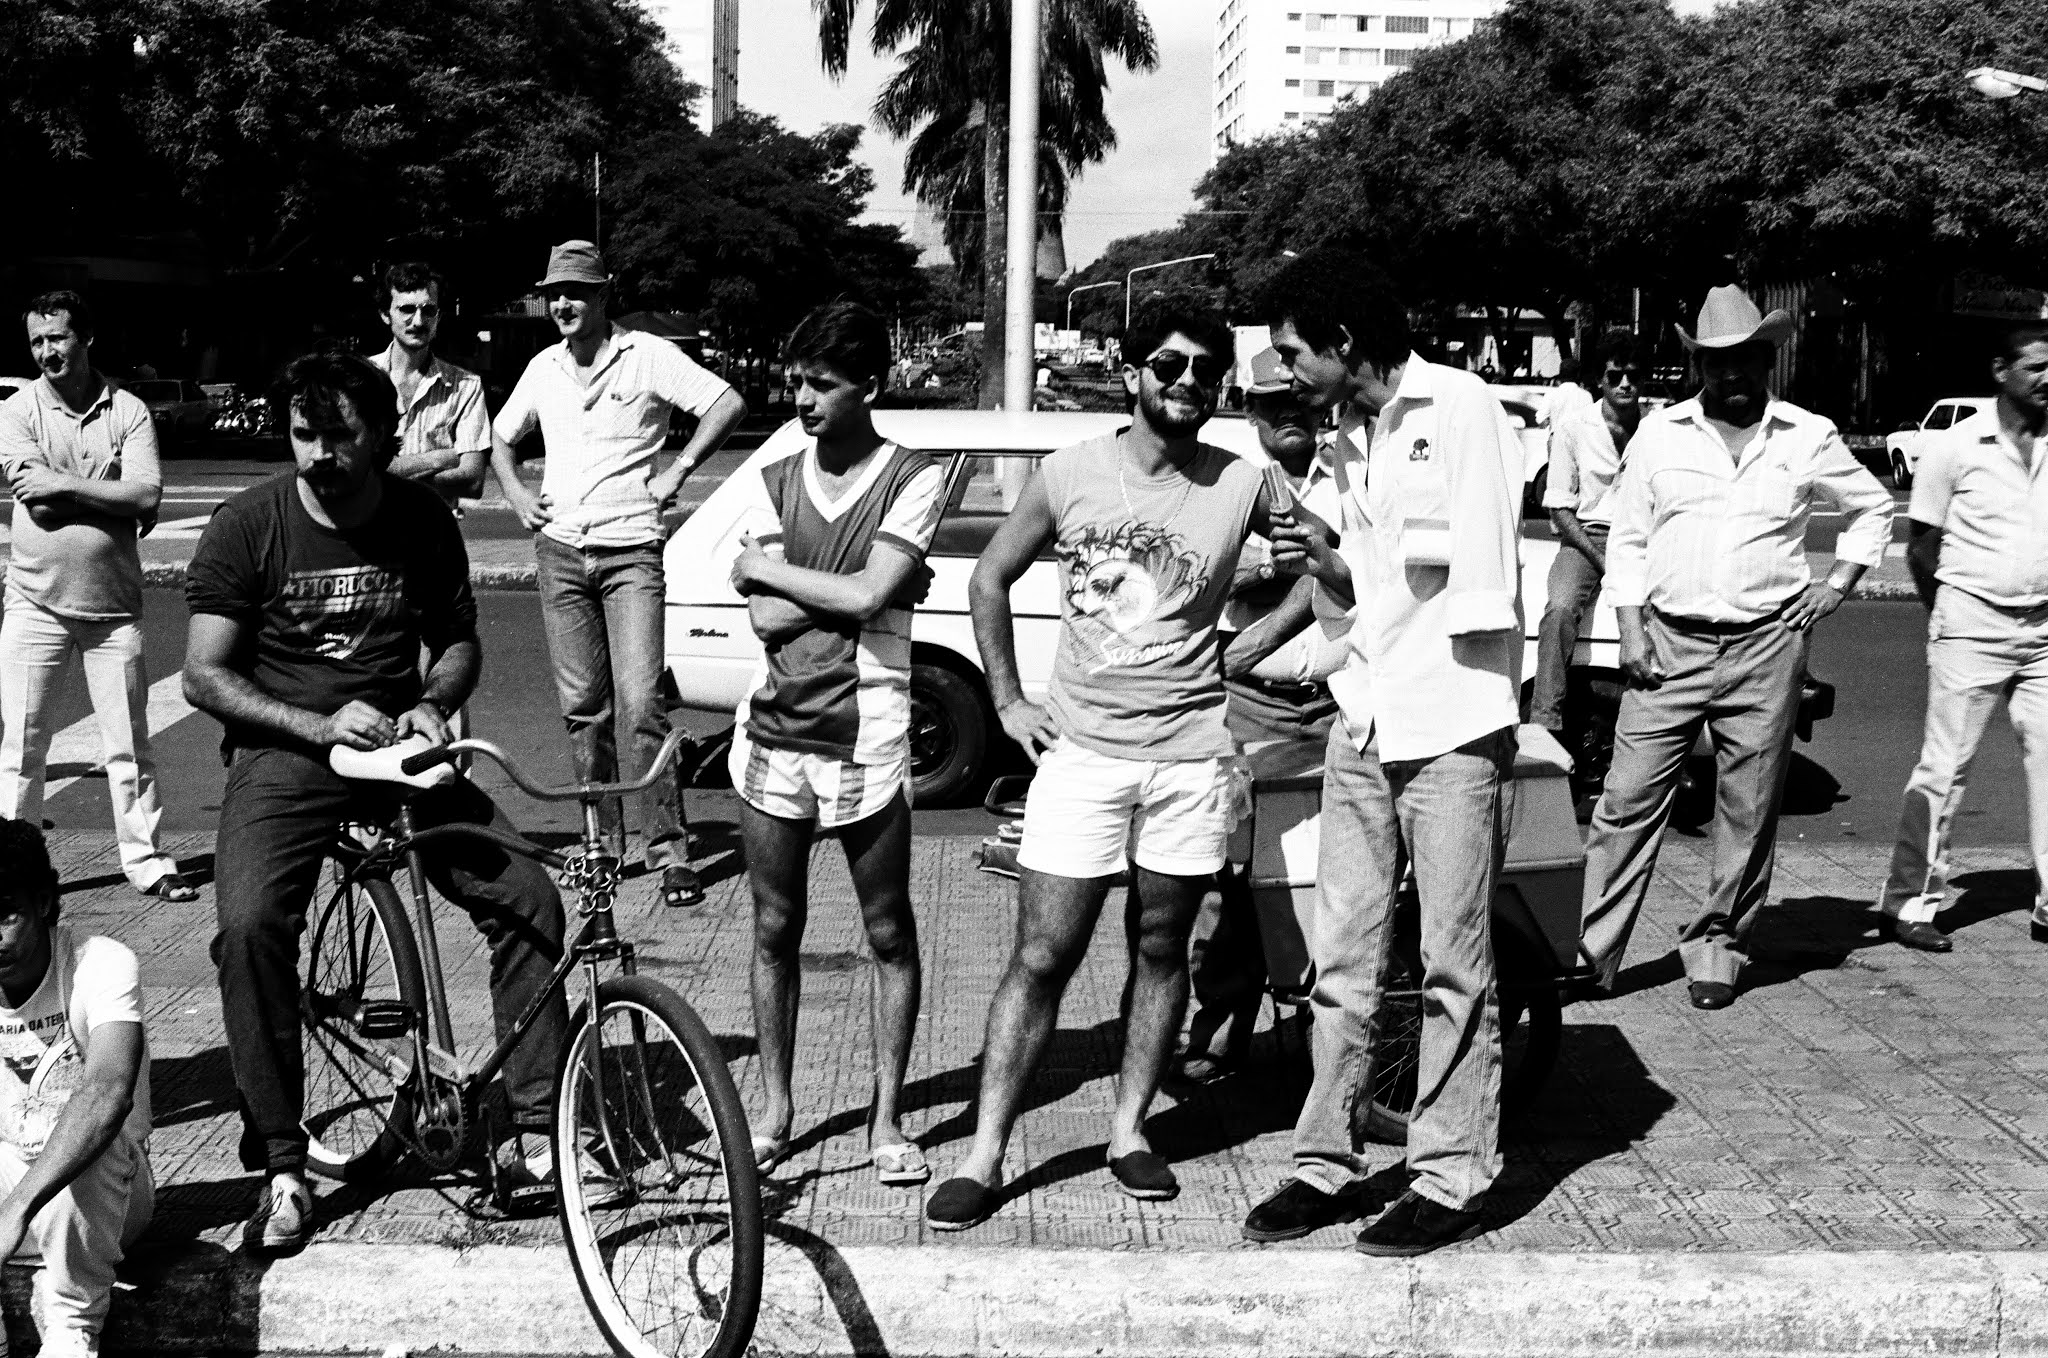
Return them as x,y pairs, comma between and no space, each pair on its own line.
1144,1175
1415,1225
960,1204
2039,931
1710,994
1298,1209
1587,990
680,887
1922,935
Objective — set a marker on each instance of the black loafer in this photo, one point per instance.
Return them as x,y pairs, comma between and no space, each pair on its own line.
1922,935
1298,1209
960,1204
1415,1225
1710,994
1145,1175
2039,931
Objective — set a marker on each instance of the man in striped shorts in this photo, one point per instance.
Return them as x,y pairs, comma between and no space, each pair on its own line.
831,561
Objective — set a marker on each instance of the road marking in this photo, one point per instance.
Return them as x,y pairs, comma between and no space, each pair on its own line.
183,528
79,743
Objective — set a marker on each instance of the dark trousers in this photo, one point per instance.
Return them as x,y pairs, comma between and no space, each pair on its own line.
277,822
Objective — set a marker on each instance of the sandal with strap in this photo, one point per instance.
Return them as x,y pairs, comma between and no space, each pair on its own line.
680,887
900,1162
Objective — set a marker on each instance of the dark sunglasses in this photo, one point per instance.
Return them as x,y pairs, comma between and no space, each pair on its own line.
428,310
1168,367
1616,376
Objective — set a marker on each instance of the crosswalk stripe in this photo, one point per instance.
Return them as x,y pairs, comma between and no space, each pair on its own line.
79,743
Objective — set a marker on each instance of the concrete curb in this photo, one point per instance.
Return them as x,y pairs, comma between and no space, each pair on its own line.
945,1302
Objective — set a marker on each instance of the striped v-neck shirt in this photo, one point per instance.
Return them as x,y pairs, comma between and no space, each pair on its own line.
842,690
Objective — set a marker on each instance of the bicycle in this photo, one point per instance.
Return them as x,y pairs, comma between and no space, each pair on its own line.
654,1180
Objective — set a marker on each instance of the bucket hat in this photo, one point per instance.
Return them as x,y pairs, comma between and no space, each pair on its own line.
1269,374
575,261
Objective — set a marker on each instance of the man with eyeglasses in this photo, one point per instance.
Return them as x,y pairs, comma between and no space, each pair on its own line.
444,431
1586,450
1419,763
602,398
1136,765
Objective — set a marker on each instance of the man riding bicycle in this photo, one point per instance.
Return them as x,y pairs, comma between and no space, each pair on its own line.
311,596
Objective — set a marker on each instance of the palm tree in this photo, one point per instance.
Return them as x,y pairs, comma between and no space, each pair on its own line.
950,96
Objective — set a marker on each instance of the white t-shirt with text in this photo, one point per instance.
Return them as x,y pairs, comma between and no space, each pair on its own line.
43,1045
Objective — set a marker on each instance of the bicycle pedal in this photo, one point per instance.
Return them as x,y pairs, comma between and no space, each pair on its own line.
384,1019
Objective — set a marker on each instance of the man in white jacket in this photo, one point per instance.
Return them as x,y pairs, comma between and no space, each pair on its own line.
1422,754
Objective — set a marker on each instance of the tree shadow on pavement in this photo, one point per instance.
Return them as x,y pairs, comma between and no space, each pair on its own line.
1600,1100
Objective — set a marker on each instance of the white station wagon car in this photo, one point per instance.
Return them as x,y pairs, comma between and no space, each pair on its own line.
1902,449
988,455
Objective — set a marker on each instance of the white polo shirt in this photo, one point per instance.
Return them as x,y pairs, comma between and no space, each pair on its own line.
1699,533
1431,503
602,437
1992,509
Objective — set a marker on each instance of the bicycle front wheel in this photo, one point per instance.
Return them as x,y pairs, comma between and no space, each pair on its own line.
361,994
658,1195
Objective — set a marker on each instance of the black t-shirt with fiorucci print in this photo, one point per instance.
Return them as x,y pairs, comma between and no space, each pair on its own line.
334,615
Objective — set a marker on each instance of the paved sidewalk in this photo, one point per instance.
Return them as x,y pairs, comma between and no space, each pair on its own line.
1877,1113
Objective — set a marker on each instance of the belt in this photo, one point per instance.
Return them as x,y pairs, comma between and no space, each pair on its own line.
1290,689
1712,627
2010,610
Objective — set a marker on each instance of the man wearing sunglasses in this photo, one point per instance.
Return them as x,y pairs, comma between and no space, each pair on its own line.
1136,766
1419,761
1586,449
444,432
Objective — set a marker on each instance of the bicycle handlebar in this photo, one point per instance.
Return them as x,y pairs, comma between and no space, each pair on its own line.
573,792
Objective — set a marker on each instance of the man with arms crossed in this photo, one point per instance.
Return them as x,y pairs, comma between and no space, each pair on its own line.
1147,523
444,432
838,532
1419,762
74,1100
1980,560
1707,569
1586,449
82,460
311,595
602,400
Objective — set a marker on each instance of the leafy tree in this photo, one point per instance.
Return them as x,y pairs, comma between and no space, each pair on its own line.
754,224
950,98
1102,310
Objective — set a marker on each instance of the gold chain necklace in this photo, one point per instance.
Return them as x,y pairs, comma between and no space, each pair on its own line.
1187,483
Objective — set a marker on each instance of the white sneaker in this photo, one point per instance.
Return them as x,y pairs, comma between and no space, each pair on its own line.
283,1220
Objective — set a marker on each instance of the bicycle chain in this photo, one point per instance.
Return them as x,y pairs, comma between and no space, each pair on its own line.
595,880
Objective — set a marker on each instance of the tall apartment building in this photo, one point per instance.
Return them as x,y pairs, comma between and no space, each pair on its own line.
706,37
1282,63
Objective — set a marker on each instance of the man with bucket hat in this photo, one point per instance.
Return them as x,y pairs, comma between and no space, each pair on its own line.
1706,565
602,398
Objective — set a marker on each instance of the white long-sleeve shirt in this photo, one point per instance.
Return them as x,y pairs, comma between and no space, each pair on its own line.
1430,524
1699,533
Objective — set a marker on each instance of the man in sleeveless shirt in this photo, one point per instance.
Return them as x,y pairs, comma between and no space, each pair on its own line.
831,554
1136,767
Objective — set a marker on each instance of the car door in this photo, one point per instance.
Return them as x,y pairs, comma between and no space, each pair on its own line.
982,489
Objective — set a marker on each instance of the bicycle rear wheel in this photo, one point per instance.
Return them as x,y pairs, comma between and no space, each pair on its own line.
657,1191
361,993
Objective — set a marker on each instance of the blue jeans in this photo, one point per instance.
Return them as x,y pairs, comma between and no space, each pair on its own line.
1446,815
602,610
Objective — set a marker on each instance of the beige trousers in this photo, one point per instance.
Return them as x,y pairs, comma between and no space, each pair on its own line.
82,1234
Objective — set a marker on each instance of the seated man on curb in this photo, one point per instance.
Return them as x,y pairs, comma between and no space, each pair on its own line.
1147,523
74,1100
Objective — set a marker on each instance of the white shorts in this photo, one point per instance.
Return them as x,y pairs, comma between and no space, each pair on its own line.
1088,814
798,785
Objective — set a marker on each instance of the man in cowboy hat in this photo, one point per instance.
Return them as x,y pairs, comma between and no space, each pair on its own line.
602,399
1706,564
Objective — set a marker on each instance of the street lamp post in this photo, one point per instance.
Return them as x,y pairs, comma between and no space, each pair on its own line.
1085,287
1020,352
1146,268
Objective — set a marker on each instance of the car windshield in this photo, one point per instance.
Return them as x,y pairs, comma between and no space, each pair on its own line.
984,492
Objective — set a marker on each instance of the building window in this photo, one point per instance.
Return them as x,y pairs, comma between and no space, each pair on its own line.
1294,51
1324,89
1362,20
1290,117
1313,23
1400,56
1316,56
1368,56
1294,84
1407,23
1295,17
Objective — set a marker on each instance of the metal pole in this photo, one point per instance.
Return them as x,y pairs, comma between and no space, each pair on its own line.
1020,284
1085,287
597,200
1130,292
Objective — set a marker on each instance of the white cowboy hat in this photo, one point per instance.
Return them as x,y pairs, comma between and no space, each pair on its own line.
1729,318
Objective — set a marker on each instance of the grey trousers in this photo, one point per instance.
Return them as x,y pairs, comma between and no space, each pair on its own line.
1744,687
1573,584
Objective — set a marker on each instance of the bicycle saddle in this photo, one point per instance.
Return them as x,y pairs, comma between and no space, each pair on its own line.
382,766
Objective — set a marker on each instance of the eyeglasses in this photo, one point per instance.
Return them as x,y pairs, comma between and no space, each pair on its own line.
1614,377
1168,367
429,310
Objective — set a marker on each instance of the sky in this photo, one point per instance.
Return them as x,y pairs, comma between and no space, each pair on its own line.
1161,119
